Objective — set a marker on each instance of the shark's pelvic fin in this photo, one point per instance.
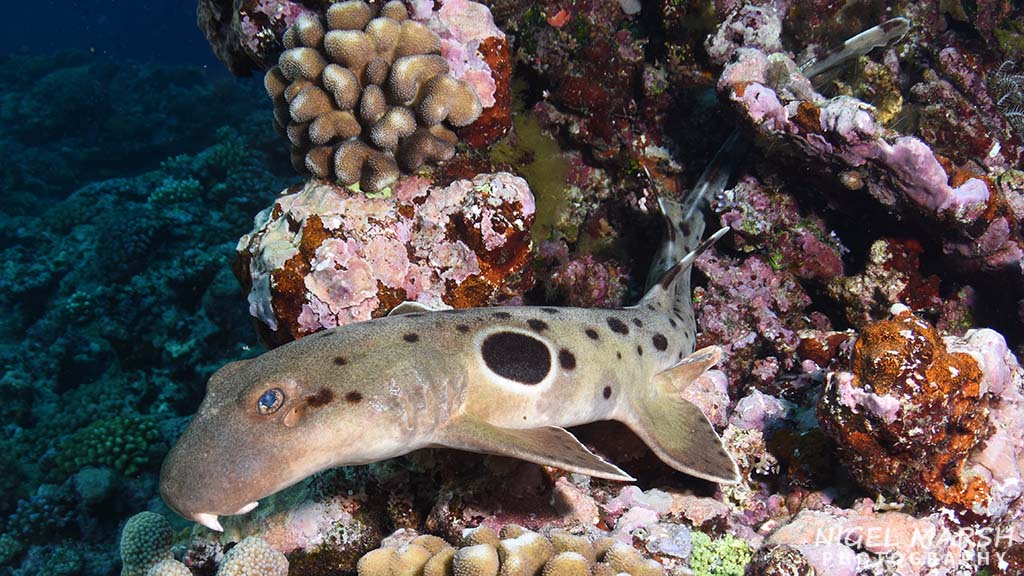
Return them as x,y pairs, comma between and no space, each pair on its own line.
675,429
548,445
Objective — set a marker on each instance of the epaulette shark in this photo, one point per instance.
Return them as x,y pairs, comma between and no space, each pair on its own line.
505,381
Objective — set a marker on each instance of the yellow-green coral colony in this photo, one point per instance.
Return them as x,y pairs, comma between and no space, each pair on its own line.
366,96
516,551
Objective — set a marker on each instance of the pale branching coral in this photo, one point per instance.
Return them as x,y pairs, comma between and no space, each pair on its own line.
364,88
253,556
145,541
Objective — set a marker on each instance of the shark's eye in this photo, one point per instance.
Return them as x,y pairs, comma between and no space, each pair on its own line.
270,401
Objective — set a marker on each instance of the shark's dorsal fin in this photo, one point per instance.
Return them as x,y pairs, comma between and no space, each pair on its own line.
690,368
410,307
547,445
662,294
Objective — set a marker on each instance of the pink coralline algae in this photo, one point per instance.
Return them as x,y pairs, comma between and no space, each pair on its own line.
463,27
323,256
263,21
761,214
748,25
901,172
752,310
583,281
246,34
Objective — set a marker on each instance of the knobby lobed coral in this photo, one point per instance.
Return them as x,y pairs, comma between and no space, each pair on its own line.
514,551
324,256
367,95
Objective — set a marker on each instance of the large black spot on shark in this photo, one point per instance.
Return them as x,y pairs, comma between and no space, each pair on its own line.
517,357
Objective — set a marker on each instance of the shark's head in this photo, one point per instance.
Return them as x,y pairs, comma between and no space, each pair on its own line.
269,422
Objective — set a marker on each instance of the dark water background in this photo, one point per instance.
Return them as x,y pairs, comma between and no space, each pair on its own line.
156,32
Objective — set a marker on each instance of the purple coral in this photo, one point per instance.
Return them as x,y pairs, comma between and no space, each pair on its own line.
902,172
584,280
761,214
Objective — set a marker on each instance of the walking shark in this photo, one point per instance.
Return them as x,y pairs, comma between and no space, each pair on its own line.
506,381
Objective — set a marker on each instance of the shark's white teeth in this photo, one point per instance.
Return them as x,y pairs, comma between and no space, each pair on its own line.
248,507
208,520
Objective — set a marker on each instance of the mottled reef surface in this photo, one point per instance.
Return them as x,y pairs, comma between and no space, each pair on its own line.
869,296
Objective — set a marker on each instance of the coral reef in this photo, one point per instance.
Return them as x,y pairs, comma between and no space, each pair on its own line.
929,419
909,413
50,150
253,556
958,203
363,96
754,309
725,556
121,443
868,444
145,541
246,34
583,281
514,550
114,288
323,256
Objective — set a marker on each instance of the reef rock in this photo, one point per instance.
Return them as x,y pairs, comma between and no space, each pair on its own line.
960,205
930,419
323,256
245,35
848,542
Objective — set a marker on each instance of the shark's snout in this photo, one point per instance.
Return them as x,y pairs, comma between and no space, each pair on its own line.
200,484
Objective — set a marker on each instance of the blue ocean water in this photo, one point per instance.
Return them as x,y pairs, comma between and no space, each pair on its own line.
132,161
153,32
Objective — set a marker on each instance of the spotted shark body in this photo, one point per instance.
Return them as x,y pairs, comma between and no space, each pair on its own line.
505,381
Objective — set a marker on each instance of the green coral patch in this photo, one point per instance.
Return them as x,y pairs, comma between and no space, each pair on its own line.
121,443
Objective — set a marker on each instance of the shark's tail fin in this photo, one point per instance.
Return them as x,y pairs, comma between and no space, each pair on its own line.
885,34
675,429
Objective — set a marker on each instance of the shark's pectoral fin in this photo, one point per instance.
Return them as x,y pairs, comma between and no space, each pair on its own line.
676,430
410,307
549,445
